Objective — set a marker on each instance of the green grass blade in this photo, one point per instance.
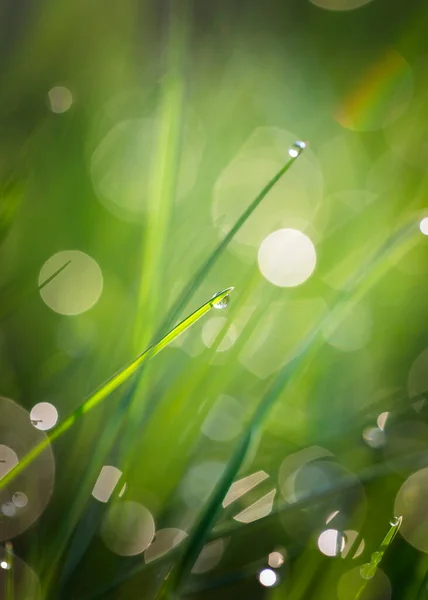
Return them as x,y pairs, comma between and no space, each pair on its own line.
203,270
368,570
397,244
112,384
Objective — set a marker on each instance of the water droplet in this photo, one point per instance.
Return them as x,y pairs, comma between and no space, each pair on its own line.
4,564
223,303
296,149
367,571
395,521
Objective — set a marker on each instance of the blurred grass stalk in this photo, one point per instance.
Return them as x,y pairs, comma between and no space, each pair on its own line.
395,246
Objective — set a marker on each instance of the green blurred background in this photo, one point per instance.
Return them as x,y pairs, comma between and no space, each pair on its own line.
136,133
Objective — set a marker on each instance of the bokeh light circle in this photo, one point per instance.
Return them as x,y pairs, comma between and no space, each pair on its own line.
341,5
123,163
60,99
209,557
423,226
410,503
23,500
128,528
294,201
76,288
268,577
20,581
44,416
164,541
287,257
331,542
351,586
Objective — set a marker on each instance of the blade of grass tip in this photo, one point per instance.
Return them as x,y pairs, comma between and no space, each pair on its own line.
203,270
361,280
113,383
368,570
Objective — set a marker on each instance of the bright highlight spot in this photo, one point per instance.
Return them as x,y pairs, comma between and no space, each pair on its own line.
286,257
331,516
44,416
76,288
382,419
4,565
20,500
331,542
275,560
261,508
8,509
242,486
60,99
106,482
350,537
267,577
296,149
423,226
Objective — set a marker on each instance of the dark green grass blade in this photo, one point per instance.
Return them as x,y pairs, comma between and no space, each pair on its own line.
203,270
113,383
364,278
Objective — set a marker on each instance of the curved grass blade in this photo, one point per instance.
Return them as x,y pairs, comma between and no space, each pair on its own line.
368,570
398,243
113,383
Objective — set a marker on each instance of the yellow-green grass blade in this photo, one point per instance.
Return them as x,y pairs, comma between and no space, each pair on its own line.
112,384
203,271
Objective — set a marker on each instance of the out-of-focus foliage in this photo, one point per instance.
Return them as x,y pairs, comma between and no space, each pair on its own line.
134,135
